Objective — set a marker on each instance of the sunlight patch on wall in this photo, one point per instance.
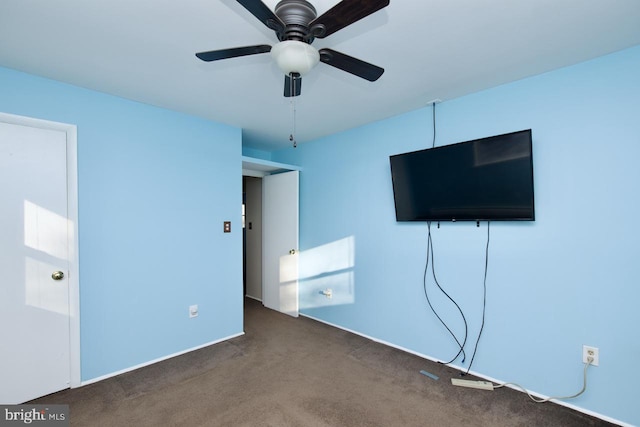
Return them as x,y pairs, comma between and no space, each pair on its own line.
328,267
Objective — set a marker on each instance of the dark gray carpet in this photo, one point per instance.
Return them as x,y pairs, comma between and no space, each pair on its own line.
299,372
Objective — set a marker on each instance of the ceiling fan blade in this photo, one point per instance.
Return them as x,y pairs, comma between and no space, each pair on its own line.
351,65
263,13
292,85
214,55
342,14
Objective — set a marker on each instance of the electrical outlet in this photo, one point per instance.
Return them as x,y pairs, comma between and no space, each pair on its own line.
588,351
193,311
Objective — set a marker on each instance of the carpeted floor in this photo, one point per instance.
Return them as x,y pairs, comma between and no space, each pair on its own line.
299,372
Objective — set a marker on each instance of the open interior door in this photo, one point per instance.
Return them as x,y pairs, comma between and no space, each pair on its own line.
34,260
280,242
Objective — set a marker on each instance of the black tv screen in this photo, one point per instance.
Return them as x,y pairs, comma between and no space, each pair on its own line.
484,179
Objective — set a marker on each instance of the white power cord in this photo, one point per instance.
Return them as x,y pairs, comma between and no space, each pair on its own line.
584,386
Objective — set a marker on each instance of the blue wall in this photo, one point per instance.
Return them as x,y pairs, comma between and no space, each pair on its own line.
154,189
569,278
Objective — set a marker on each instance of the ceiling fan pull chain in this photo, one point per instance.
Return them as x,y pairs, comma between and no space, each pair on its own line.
292,136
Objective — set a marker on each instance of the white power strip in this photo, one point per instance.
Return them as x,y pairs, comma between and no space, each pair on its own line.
482,385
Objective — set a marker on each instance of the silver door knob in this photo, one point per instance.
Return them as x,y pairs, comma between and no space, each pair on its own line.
292,252
57,275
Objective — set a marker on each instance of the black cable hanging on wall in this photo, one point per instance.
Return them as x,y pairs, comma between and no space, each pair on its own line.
430,255
434,124
292,135
426,294
484,295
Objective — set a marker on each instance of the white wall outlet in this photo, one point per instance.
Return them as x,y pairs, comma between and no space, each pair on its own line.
593,352
193,310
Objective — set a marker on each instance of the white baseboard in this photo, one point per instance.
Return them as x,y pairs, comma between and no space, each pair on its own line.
424,356
160,359
253,298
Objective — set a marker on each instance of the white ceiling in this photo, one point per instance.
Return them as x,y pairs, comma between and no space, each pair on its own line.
430,49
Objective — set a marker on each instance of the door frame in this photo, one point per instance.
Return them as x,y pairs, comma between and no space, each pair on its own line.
72,232
260,168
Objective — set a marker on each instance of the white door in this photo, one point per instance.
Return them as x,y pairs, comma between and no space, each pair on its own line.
35,357
280,242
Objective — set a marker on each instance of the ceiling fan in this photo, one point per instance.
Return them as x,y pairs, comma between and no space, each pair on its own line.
296,25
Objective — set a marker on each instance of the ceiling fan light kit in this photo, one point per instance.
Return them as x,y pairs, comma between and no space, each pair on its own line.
296,25
294,56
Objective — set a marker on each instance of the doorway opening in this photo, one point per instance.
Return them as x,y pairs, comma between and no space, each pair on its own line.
252,236
270,235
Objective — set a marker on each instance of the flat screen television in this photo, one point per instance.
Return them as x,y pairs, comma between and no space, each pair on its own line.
484,179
